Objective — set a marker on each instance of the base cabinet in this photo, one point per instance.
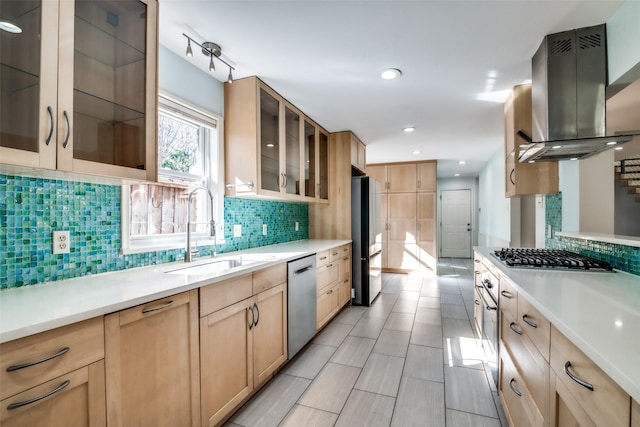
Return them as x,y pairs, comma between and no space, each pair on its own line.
333,282
152,363
241,345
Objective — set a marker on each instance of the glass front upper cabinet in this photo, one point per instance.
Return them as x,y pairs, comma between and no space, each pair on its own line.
292,151
270,178
323,166
309,159
98,114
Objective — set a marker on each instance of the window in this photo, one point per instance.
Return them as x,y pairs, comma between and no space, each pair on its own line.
154,216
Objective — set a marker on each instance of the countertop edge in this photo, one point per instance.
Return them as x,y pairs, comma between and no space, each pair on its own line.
174,285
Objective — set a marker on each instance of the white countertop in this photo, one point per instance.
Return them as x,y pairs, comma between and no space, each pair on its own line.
599,312
31,309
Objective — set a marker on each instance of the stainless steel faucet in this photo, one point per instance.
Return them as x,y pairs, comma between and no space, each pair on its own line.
189,253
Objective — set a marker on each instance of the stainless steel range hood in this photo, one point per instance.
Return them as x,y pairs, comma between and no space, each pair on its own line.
569,78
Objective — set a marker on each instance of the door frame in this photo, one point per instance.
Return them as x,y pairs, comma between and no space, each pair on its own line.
471,218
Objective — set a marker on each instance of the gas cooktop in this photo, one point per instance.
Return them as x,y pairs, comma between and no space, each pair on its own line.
550,259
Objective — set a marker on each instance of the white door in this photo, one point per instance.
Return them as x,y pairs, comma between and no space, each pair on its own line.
455,223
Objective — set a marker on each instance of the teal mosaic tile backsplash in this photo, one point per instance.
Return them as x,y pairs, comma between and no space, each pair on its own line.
622,257
31,208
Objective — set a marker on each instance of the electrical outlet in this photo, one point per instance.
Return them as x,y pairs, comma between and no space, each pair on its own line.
237,230
264,229
549,235
61,242
297,226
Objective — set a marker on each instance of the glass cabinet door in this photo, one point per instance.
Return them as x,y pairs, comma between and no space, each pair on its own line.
292,151
109,81
269,137
323,157
309,159
28,78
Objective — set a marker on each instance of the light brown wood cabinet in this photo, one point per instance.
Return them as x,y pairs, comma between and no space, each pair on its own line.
72,382
635,414
333,282
152,363
81,90
252,324
581,393
273,145
358,154
524,178
408,214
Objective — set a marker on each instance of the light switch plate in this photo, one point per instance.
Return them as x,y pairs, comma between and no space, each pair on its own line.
61,242
264,229
297,226
237,230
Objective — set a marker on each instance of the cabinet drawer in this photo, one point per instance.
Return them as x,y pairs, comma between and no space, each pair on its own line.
223,294
59,351
518,403
344,267
607,404
269,277
535,325
508,297
531,366
322,258
327,276
339,252
73,399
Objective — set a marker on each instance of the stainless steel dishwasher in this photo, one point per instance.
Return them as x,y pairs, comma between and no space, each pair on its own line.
301,303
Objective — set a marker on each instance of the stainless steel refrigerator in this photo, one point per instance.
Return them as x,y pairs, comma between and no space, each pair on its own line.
366,234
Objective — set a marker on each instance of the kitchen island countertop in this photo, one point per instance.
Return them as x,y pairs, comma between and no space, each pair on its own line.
37,308
598,311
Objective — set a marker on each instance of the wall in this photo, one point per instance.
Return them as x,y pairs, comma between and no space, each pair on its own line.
494,224
31,208
597,197
623,32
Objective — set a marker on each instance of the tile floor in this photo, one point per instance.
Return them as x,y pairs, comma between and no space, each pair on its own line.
411,359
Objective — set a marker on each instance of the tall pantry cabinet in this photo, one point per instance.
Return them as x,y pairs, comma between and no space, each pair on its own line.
408,211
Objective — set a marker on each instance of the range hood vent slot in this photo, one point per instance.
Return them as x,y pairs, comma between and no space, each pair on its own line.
569,79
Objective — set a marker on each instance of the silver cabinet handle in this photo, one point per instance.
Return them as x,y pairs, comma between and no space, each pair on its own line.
511,177
330,292
506,294
329,266
284,175
152,309
303,269
17,405
257,311
477,302
66,140
515,390
583,383
50,111
525,319
37,362
250,309
511,326
491,308
322,258
346,281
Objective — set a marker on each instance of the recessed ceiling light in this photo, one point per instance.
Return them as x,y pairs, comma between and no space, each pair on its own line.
457,174
555,147
416,152
9,26
618,148
611,143
391,73
462,162
533,161
409,129
270,145
573,158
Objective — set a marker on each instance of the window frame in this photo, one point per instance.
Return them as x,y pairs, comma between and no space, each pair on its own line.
213,179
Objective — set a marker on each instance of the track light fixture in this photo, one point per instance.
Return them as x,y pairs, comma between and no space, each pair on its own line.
211,50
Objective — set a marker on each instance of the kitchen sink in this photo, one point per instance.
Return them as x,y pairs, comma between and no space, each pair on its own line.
216,265
213,266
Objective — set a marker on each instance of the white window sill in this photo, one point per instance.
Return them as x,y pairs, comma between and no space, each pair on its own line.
154,245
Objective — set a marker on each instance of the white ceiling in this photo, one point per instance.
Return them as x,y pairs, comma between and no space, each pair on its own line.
325,57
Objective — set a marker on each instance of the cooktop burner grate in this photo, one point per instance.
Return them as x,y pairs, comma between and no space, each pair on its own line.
550,258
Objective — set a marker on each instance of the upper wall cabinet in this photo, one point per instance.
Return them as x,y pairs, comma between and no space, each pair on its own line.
271,144
79,87
524,178
358,154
